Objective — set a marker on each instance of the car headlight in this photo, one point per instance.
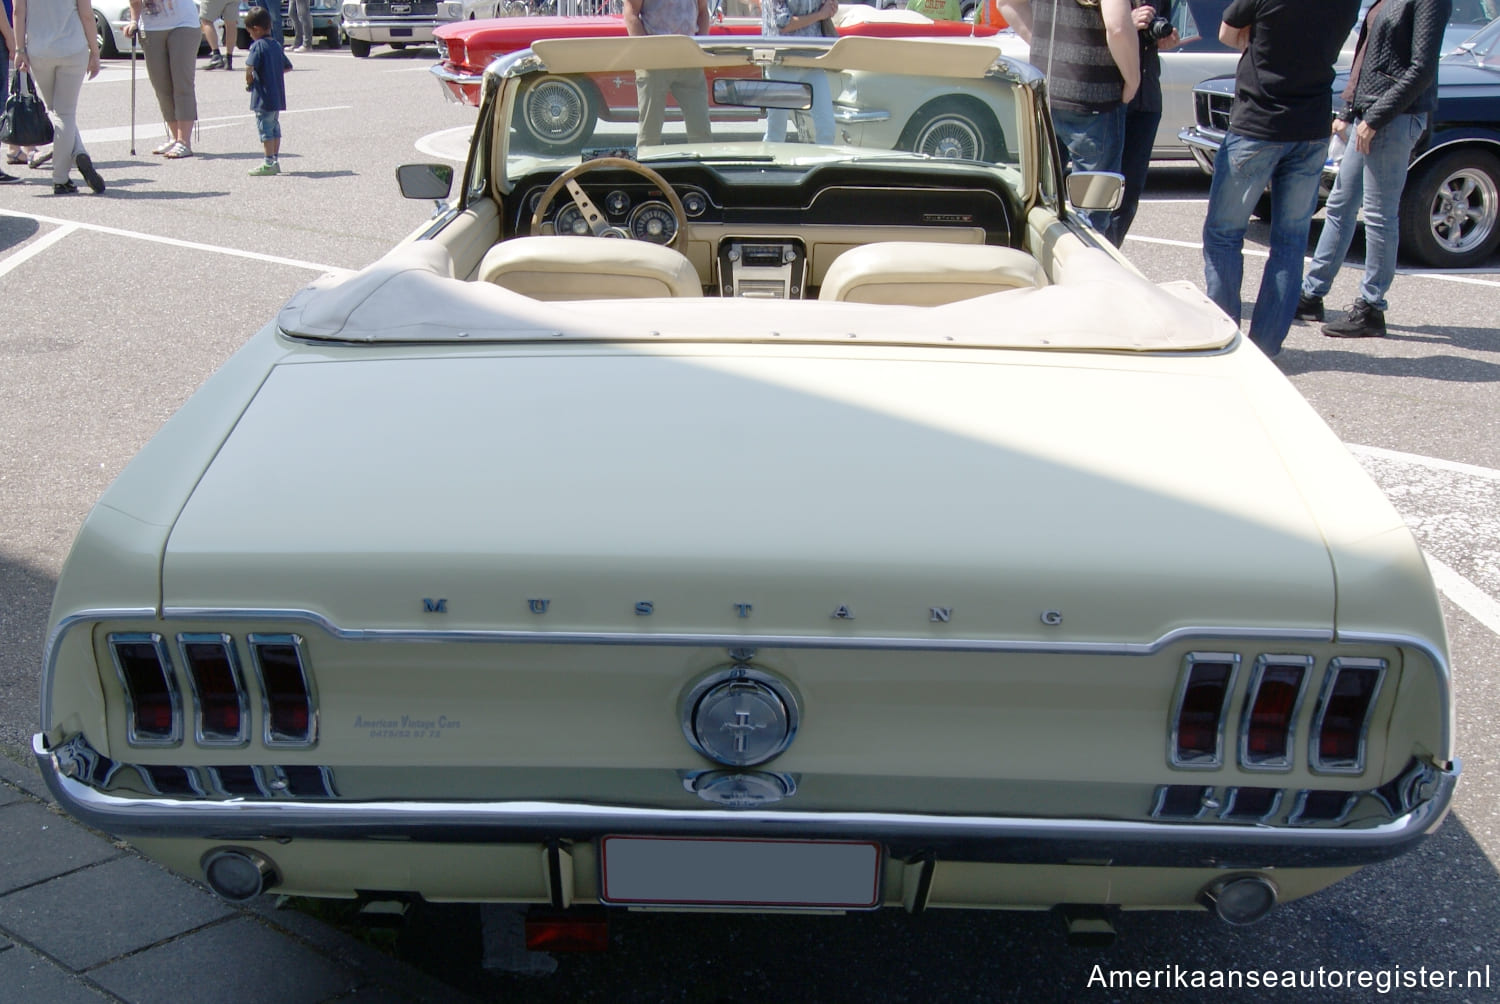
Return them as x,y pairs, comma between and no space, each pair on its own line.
453,11
351,10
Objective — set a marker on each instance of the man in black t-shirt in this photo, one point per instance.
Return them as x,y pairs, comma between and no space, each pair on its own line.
1278,134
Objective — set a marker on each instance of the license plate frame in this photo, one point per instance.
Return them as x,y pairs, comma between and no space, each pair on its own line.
786,874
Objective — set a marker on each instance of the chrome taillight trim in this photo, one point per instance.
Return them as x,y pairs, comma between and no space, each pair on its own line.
269,736
169,679
1191,660
1206,801
1299,806
1257,674
257,779
1231,797
231,652
1315,761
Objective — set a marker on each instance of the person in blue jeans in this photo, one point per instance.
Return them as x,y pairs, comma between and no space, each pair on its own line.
1278,135
263,79
1392,89
1090,53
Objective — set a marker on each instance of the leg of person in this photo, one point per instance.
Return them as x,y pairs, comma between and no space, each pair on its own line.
690,88
1385,177
651,106
206,20
59,80
822,107
1094,141
176,52
269,130
1135,161
1339,216
1294,199
1241,169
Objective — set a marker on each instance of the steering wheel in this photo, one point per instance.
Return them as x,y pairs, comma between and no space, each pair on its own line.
598,223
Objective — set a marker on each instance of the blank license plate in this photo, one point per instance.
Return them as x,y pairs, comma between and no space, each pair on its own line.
694,871
400,32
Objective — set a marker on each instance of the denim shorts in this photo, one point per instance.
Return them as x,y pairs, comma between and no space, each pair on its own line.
268,125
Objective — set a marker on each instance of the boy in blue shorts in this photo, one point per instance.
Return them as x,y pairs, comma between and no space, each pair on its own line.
264,69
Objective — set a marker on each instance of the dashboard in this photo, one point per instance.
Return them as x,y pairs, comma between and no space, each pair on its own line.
769,230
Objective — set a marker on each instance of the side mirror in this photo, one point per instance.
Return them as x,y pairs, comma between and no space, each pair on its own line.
1095,190
425,181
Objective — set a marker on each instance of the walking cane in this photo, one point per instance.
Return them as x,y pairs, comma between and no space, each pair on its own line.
136,32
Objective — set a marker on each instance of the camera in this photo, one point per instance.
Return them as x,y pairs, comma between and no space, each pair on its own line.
1159,28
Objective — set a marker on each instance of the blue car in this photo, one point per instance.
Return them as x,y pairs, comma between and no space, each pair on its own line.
1450,209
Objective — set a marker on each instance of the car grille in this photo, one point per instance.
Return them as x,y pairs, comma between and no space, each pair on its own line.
1211,110
427,7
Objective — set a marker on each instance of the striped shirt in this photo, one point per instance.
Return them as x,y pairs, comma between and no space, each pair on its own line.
1069,45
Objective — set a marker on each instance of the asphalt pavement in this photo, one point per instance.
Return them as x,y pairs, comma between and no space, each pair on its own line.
83,918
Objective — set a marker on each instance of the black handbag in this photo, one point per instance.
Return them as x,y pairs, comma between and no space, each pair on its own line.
25,121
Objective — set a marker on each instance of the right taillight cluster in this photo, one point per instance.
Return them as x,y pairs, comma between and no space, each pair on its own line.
219,692
1266,734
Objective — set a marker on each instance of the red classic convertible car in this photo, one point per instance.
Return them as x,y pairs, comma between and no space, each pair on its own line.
467,47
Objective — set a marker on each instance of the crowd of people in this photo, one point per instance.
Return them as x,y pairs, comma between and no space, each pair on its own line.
1101,60
54,41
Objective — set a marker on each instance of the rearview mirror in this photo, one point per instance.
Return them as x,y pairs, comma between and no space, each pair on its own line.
1096,190
425,181
749,92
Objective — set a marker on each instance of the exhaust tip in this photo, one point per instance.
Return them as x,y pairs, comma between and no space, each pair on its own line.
1240,899
238,875
1087,925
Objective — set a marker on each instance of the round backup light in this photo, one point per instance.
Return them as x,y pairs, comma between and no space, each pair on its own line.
739,716
1241,900
237,875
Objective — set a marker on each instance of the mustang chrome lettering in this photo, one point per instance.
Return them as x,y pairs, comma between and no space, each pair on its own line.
438,606
744,609
940,615
644,608
1052,617
843,613
538,606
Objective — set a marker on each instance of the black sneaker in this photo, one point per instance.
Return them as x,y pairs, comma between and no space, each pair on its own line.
1363,321
86,168
66,188
215,61
8,179
1309,307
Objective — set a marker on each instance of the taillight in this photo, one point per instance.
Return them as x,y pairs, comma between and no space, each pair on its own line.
1198,715
222,717
1338,735
153,709
286,690
1270,711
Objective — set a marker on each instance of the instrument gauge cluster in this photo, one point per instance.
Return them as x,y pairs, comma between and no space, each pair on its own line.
653,221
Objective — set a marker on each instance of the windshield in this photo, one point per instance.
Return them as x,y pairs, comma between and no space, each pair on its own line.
1484,45
790,103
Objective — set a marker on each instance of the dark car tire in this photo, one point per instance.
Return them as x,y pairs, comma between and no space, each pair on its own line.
1450,209
557,114
242,39
106,35
359,48
398,46
954,127
332,37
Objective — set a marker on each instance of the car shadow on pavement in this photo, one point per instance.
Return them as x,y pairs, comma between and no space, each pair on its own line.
17,230
1444,366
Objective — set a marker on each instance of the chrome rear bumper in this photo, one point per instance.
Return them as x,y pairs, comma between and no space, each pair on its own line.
959,838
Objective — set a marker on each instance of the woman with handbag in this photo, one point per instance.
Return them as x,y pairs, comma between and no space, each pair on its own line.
8,37
59,48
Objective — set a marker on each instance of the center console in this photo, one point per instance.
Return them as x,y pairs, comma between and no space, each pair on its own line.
765,268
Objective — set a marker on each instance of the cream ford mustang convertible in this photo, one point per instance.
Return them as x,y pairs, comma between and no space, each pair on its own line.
734,524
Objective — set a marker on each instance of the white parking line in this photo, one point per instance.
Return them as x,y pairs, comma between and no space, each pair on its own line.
1475,601
1432,462
152,126
69,226
1448,275
36,247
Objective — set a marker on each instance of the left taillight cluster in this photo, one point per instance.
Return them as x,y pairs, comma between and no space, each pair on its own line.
218,689
1266,736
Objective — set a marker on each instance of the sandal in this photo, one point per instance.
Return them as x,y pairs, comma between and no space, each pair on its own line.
40,159
15,157
170,142
177,151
